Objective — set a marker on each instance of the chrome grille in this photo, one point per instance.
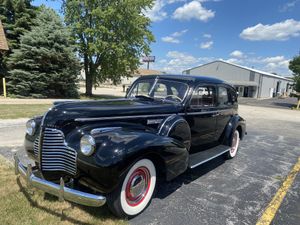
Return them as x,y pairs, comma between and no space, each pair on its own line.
56,155
36,147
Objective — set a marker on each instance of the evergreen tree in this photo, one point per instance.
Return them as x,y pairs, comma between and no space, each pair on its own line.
45,64
17,17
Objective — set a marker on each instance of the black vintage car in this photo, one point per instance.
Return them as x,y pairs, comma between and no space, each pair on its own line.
93,152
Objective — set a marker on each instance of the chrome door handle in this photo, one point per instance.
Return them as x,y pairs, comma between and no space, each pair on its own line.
216,114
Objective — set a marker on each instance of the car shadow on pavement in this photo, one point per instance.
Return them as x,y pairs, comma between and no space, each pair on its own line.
102,213
166,188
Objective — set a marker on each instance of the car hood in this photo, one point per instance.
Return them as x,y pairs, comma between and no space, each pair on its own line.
69,111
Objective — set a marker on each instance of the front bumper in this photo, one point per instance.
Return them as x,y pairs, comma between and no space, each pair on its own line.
59,190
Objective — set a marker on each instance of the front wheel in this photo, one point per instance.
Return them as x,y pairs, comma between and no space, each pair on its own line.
234,145
135,192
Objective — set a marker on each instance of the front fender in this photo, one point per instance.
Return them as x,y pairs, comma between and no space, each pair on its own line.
118,148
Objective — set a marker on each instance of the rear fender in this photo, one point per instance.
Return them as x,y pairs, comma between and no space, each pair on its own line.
236,122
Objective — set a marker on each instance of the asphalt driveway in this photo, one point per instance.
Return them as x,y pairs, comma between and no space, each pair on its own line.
284,103
228,192
237,191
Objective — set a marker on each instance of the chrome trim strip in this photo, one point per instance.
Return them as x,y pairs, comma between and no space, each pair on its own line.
59,190
120,117
175,122
206,160
163,124
146,116
104,129
203,112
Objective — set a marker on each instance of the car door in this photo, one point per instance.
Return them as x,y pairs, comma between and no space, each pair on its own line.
225,105
201,116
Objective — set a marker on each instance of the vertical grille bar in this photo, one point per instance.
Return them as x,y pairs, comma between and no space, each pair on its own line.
56,155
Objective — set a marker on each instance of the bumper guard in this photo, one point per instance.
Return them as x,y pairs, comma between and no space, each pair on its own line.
59,190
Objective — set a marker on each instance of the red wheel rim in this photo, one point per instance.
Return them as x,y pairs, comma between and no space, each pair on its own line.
137,186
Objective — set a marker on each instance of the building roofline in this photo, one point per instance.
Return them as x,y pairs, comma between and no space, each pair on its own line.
243,67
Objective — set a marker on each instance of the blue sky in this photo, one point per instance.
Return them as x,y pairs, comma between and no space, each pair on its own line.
263,34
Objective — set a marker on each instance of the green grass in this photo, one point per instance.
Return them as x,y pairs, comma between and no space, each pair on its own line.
22,206
15,111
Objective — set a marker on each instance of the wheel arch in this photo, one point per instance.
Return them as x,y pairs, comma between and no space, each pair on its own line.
235,123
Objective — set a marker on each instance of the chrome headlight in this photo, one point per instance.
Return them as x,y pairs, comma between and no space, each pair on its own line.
87,145
30,127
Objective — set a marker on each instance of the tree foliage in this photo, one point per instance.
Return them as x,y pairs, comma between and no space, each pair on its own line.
294,66
17,17
45,64
111,36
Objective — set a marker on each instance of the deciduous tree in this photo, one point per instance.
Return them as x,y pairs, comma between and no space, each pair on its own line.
111,36
294,66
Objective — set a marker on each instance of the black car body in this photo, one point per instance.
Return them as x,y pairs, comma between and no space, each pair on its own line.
175,122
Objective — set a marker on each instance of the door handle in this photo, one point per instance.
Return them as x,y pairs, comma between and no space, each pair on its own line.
216,114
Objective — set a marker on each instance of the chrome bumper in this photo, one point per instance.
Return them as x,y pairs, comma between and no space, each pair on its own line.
59,190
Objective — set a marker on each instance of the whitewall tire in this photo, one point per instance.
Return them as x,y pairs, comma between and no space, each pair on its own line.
135,192
234,145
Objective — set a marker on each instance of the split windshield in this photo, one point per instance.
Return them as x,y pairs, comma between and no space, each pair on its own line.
159,89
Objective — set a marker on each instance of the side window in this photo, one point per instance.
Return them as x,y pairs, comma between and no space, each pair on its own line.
223,98
232,96
204,96
160,91
142,88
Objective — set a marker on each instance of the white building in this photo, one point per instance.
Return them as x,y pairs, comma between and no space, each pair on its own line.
248,82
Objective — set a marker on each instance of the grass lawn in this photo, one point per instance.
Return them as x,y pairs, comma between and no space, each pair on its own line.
22,206
15,111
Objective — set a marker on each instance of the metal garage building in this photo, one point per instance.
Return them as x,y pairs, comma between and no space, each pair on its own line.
248,82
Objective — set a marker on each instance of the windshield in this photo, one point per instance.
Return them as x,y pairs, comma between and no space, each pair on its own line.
159,89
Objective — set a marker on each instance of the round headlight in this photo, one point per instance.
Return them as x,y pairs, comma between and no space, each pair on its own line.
87,145
30,127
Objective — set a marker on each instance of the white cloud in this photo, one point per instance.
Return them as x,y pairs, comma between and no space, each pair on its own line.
157,13
193,10
234,60
170,39
274,59
278,31
277,64
173,38
237,54
177,61
288,6
206,45
207,35
179,33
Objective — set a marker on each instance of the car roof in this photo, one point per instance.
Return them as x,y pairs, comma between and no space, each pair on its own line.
187,78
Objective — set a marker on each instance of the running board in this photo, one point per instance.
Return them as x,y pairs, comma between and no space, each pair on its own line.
199,158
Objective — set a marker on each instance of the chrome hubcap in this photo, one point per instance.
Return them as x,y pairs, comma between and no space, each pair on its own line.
137,186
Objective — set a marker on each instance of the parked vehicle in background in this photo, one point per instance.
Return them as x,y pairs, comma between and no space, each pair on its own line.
93,152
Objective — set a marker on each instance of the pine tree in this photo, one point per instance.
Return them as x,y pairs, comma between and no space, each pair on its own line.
17,17
45,65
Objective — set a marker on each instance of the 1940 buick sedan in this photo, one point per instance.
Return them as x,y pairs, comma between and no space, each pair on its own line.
112,151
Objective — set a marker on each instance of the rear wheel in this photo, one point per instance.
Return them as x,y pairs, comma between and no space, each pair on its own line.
234,145
135,192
